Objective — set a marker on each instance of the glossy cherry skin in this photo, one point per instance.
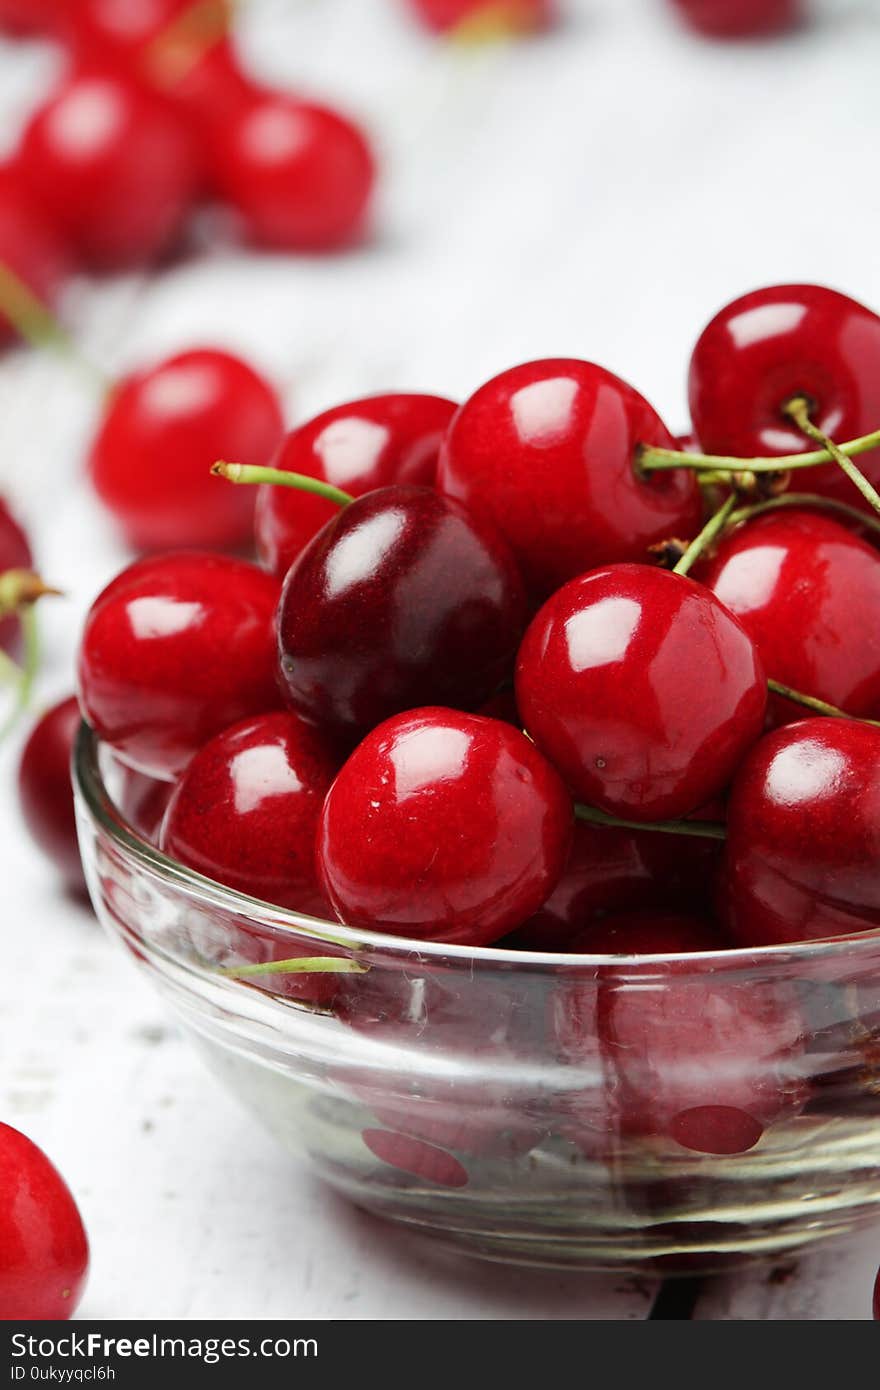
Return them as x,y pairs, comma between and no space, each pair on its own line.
358,447
803,845
30,246
800,584
150,461
45,791
245,812
44,1252
642,689
174,650
114,166
443,15
611,870
15,554
300,176
444,827
547,450
740,19
405,599
781,342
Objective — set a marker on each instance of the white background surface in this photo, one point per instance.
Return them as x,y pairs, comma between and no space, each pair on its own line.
597,193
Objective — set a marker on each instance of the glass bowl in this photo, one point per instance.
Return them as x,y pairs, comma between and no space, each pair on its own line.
661,1114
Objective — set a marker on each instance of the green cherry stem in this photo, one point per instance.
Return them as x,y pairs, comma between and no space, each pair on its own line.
19,589
817,706
299,965
650,459
705,830
301,482
37,325
798,410
805,499
713,528
25,675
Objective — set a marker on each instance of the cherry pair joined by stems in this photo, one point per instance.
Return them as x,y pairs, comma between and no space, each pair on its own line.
44,1253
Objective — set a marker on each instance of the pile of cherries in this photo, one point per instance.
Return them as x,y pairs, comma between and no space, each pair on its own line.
154,117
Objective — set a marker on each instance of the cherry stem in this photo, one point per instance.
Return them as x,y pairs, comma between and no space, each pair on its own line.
19,589
650,459
181,45
497,19
798,410
805,499
37,325
817,706
706,830
24,675
713,528
277,477
299,965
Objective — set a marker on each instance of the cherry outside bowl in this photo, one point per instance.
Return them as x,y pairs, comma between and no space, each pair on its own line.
507,1101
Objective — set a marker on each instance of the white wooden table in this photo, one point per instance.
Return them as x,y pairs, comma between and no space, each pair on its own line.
597,193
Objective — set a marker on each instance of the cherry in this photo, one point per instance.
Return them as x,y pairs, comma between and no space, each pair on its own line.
643,689
445,827
245,812
31,251
358,447
163,428
403,599
775,345
44,1253
300,176
790,577
29,18
113,165
740,19
174,650
803,846
15,554
143,802
513,15
547,451
618,870
45,790
648,934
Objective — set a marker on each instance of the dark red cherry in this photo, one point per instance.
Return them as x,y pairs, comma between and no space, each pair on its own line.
245,811
45,791
404,599
29,18
643,689
164,426
357,447
547,451
513,15
15,554
648,934
803,846
31,248
114,167
775,344
44,1252
740,19
174,650
613,870
300,176
791,577
445,827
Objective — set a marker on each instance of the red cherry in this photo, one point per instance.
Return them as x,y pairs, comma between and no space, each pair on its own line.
423,1161
740,19
358,447
642,689
443,15
114,167
770,346
245,811
176,649
143,802
445,827
300,176
27,18
404,599
15,554
45,790
790,578
612,870
44,1253
30,247
648,934
803,845
164,426
547,450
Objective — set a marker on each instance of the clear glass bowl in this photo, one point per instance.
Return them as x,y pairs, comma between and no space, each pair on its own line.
670,1114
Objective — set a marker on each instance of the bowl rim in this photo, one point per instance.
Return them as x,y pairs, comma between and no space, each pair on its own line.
90,788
